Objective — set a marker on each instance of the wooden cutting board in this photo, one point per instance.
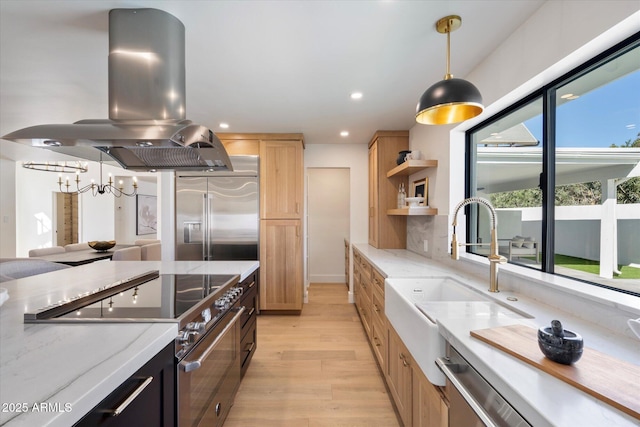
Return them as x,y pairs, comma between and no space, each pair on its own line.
611,380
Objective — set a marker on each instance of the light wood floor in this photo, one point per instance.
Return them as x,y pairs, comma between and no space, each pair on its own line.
313,370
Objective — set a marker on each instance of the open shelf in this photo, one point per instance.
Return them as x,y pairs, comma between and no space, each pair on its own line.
420,210
411,166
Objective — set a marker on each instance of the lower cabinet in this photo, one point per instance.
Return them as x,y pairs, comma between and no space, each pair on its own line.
281,270
400,376
249,333
147,397
430,405
418,402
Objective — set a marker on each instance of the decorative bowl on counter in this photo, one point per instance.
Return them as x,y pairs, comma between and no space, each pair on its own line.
102,245
414,201
560,345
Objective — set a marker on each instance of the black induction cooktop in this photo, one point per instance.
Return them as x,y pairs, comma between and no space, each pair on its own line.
161,297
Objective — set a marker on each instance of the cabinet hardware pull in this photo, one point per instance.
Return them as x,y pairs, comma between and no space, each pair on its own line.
251,347
131,398
377,309
251,311
252,284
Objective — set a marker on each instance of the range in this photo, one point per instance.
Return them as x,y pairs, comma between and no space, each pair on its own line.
207,348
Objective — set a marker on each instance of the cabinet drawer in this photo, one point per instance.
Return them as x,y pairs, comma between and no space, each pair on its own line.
378,280
364,309
379,340
250,302
377,305
152,390
248,345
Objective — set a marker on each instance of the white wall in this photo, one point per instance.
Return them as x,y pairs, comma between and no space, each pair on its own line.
327,223
558,37
125,213
7,211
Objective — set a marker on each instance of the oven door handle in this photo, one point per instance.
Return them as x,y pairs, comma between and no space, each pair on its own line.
195,364
446,368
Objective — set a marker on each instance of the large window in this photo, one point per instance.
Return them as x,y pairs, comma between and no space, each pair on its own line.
562,169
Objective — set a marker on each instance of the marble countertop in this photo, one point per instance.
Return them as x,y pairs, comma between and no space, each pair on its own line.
53,374
541,398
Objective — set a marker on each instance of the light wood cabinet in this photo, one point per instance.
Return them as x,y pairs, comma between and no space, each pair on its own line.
281,273
430,405
386,231
281,179
399,376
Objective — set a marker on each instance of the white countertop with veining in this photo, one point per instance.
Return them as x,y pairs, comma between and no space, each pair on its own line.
541,398
71,368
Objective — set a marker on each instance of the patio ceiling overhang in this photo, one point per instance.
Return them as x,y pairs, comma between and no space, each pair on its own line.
502,169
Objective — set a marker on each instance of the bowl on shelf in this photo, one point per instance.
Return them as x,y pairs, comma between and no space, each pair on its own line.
414,201
560,345
102,245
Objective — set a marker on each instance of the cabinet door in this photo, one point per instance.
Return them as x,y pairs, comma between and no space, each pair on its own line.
399,376
152,388
373,195
430,407
281,179
281,278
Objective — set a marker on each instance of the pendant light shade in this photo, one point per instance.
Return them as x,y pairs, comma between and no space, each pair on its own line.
450,100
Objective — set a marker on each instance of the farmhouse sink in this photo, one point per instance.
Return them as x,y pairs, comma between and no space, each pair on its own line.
412,304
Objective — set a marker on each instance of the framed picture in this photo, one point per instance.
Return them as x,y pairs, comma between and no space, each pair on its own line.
420,188
146,214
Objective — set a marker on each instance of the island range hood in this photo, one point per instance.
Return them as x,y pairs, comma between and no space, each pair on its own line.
146,129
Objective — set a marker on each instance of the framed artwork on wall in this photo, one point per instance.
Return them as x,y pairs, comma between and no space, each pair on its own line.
420,188
146,214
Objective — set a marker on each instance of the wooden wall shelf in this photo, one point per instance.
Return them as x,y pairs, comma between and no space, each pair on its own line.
411,166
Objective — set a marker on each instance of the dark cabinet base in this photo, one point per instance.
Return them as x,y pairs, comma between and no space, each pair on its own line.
153,406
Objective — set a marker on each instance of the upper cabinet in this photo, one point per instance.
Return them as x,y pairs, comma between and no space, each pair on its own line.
386,231
281,179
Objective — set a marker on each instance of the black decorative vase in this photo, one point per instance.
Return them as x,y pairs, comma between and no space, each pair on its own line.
401,156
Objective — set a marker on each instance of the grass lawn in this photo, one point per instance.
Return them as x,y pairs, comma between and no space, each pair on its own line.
593,267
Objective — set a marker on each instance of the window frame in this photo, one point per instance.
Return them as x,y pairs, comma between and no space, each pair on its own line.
548,176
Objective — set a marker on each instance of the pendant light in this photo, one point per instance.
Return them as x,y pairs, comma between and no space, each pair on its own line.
450,100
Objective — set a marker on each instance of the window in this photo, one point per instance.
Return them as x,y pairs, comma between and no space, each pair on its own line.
562,169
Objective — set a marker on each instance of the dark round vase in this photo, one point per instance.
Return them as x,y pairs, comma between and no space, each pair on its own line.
401,156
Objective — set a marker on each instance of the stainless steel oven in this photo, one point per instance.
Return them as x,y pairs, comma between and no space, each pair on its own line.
209,374
473,402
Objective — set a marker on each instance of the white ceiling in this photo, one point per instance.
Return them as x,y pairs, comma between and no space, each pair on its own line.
261,66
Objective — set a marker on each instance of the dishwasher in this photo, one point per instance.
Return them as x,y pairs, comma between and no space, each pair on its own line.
473,402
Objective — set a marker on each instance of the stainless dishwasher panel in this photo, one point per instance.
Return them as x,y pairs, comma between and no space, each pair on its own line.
473,402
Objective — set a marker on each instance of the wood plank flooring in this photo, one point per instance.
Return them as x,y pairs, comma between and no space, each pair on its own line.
313,370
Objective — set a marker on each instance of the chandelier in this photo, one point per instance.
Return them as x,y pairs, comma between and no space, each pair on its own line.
62,167
96,189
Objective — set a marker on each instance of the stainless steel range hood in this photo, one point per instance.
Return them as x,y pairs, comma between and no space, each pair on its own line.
146,129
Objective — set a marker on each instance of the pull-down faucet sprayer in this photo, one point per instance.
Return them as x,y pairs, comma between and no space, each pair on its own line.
494,257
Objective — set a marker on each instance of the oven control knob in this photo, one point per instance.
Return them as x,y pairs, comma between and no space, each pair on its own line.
187,337
198,327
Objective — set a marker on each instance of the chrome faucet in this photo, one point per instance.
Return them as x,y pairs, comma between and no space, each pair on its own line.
494,257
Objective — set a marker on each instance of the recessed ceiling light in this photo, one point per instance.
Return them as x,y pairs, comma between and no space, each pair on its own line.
224,125
344,133
356,95
572,97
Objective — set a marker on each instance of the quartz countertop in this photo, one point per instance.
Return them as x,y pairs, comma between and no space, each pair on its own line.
53,374
541,398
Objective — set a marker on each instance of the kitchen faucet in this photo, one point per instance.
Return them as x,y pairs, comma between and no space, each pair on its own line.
494,257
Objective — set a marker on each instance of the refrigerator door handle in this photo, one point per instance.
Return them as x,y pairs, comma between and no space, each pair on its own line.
205,230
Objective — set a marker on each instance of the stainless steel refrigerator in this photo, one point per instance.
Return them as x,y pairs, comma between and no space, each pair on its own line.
217,213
